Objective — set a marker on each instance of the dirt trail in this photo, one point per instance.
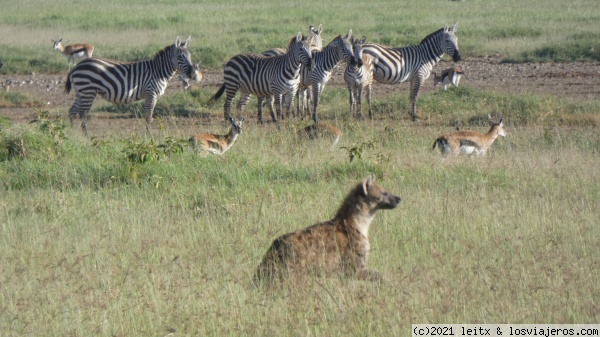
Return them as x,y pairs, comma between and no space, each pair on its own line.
574,80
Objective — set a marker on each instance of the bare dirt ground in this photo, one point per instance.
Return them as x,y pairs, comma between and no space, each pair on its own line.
572,80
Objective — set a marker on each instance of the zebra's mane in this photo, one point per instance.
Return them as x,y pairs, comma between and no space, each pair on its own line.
334,39
431,35
165,50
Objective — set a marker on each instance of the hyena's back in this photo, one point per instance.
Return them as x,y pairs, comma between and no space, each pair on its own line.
318,248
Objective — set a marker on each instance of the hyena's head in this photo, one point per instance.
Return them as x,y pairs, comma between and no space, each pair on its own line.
376,197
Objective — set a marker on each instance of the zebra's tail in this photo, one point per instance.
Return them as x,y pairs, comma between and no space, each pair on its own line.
68,84
218,94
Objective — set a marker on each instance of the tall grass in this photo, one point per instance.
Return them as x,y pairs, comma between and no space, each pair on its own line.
128,31
96,243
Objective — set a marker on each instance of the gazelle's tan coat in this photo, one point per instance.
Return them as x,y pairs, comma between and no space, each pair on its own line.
217,144
322,130
74,51
469,142
448,76
340,245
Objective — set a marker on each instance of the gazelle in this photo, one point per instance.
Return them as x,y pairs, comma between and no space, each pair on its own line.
322,130
469,142
217,144
73,51
448,76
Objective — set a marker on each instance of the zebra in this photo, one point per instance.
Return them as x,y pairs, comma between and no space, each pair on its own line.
414,63
340,48
358,77
315,39
255,74
121,83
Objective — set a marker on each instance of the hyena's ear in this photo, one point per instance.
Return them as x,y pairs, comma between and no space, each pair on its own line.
367,183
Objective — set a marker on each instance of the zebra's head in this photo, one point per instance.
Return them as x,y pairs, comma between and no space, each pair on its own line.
450,42
182,60
314,38
347,49
357,46
299,49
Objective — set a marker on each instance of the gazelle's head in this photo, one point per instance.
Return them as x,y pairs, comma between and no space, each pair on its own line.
236,127
182,59
57,44
450,42
497,127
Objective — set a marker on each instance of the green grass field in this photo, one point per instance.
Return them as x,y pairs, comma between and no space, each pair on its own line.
127,235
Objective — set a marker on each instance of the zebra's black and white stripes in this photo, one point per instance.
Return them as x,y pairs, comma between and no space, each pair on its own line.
120,82
255,74
340,48
359,76
414,63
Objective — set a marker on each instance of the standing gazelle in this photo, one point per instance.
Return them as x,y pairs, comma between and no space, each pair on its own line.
469,142
73,51
217,144
449,76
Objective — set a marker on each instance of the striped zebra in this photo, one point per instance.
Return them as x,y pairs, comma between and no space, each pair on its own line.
121,83
340,48
315,39
255,74
359,76
414,63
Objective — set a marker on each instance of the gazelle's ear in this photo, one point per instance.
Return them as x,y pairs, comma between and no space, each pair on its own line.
501,119
367,183
490,119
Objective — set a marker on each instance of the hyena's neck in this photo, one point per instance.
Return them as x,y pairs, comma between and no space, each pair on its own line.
355,218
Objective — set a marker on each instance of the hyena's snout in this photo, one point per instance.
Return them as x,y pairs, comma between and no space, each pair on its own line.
390,201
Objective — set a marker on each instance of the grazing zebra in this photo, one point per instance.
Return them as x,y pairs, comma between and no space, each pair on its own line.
358,77
315,40
255,74
414,63
120,82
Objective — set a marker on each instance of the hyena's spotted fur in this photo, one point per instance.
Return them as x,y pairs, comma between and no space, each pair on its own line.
340,245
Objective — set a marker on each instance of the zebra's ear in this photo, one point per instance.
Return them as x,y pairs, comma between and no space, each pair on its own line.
177,41
320,29
299,37
446,28
349,35
187,42
455,27
363,40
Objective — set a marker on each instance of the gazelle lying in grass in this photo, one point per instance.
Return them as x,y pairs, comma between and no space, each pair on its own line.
469,142
73,51
217,144
322,130
448,76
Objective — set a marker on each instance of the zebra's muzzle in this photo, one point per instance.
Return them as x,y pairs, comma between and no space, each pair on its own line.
456,57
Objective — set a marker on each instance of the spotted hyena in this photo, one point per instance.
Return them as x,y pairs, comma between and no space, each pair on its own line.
340,245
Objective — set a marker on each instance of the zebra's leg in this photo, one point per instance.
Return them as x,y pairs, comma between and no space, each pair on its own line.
317,90
261,101
415,86
82,106
289,103
228,103
359,101
368,88
150,104
270,102
351,91
278,98
244,99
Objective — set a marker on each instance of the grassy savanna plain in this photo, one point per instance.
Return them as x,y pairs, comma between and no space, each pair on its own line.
124,234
